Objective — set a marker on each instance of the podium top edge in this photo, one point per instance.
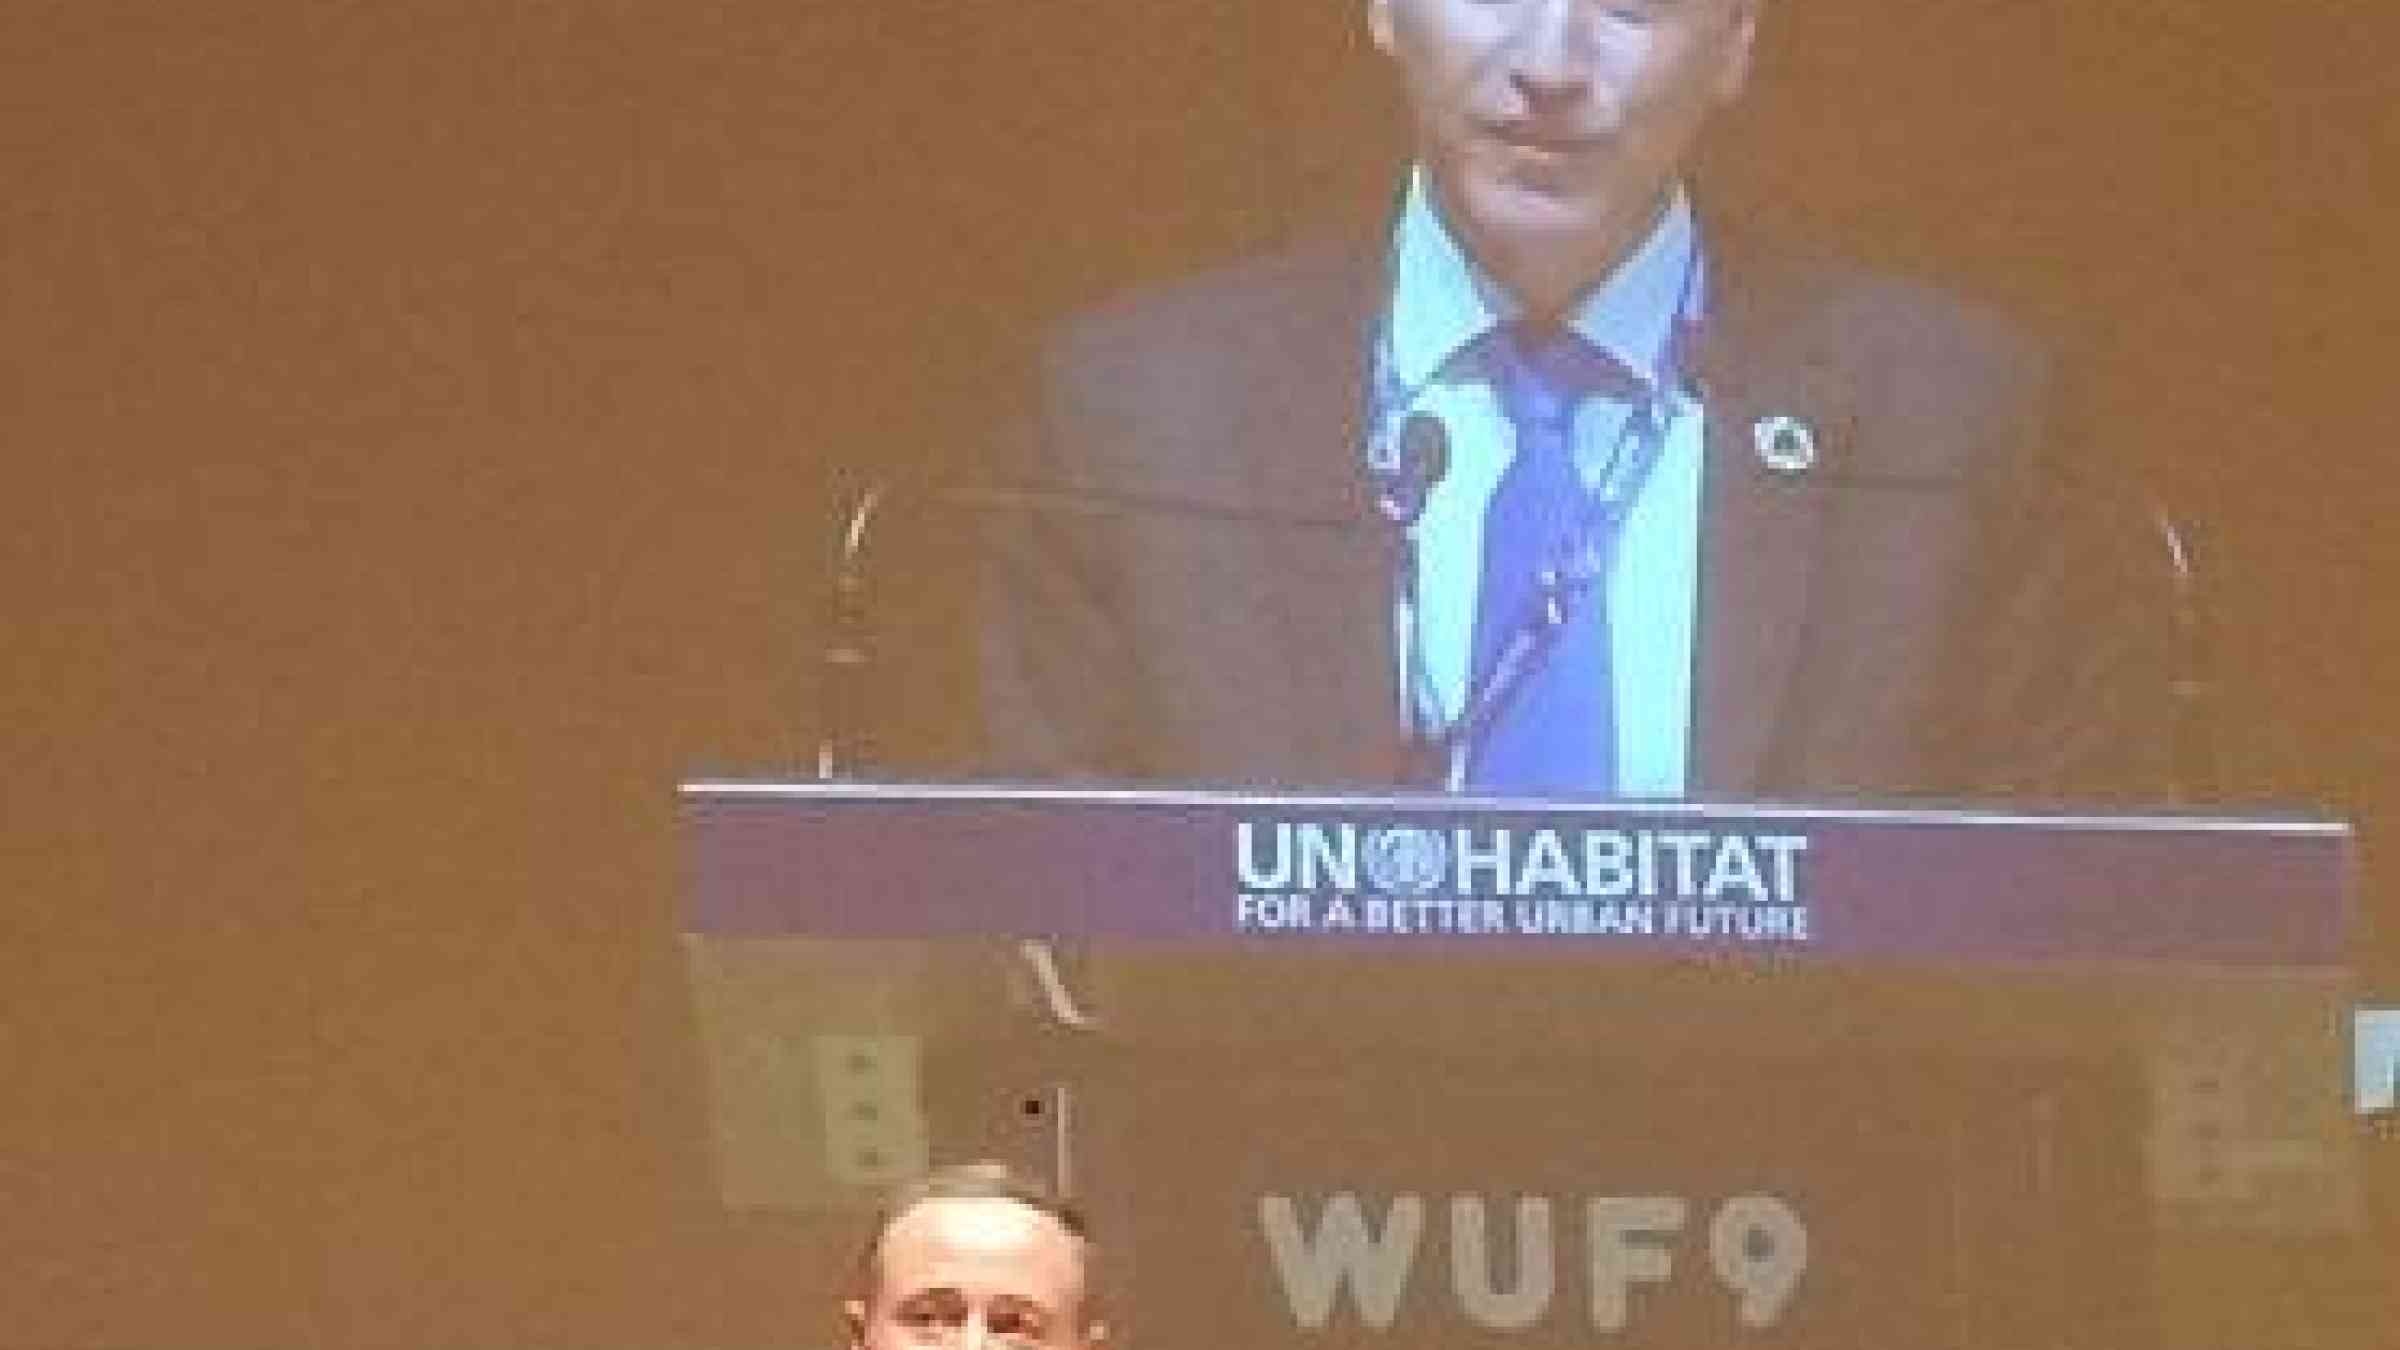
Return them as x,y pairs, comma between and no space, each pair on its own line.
2177,820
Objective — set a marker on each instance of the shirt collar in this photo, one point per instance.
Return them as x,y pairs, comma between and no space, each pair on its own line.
1442,301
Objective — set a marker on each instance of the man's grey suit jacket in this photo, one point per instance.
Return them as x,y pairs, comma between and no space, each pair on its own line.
1952,602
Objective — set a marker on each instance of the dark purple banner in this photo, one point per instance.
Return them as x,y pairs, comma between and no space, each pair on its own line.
1452,873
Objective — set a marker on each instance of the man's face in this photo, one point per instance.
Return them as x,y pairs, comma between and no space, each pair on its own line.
957,1274
1551,124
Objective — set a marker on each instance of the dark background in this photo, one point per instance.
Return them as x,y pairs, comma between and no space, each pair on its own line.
419,423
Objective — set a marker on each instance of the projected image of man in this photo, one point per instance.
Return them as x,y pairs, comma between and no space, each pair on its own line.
1556,482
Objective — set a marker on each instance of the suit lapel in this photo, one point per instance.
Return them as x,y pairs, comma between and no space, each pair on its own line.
1760,526
1330,581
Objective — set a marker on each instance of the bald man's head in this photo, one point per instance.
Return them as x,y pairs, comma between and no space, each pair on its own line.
974,1257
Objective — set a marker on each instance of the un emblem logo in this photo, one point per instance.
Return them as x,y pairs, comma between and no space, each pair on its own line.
1406,861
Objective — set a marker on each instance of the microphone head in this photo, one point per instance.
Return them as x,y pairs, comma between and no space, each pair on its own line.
1420,457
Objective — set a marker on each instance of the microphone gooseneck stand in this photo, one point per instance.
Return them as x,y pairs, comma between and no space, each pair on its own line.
845,665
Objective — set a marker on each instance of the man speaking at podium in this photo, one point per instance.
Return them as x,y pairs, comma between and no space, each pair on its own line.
1557,483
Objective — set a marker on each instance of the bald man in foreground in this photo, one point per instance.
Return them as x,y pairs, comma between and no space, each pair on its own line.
974,1256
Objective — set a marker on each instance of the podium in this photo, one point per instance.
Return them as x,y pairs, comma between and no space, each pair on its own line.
1427,1070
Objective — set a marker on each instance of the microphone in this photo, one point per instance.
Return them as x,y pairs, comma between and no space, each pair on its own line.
1405,469
1406,474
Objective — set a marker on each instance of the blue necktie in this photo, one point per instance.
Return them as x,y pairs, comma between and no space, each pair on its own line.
1557,730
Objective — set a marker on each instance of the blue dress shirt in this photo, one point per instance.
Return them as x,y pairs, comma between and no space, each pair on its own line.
1441,304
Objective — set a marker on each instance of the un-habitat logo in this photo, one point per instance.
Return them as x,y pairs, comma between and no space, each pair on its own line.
1300,877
